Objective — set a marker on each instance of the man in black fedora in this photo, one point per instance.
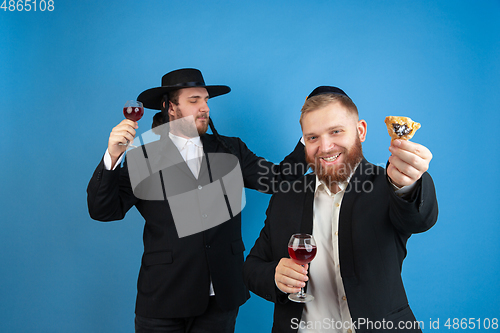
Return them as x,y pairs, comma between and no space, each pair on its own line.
189,281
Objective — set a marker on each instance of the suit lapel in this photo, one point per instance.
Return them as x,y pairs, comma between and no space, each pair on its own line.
346,252
306,224
209,146
209,143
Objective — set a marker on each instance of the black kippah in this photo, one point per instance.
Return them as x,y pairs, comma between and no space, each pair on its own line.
326,90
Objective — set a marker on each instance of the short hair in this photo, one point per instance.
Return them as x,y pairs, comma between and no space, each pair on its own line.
320,101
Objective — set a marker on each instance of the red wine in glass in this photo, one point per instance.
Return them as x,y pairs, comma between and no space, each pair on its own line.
133,110
302,254
302,249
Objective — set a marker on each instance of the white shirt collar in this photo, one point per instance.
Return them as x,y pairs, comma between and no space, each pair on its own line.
342,185
181,142
320,185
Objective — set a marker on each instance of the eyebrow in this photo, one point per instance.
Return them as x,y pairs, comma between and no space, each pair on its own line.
197,96
327,130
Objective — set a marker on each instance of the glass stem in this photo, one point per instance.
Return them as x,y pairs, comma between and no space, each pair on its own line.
301,293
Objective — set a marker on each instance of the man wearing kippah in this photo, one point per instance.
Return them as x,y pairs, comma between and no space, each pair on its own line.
360,216
188,187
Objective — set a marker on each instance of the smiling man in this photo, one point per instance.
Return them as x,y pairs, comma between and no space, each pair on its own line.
333,136
361,217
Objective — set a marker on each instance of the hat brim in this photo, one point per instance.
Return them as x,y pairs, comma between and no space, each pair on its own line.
152,98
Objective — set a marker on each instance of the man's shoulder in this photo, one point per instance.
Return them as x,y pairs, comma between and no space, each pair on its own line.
234,145
211,137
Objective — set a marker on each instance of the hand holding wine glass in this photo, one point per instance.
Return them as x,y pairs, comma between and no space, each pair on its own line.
124,132
302,250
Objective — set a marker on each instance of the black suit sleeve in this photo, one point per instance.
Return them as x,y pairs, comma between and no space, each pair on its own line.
260,265
417,213
264,176
109,194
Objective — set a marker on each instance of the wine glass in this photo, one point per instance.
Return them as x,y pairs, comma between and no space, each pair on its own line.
133,110
302,250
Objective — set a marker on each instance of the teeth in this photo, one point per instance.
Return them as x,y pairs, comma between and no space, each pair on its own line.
331,159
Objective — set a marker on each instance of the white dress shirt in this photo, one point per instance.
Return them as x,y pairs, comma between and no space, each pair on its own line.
191,151
329,311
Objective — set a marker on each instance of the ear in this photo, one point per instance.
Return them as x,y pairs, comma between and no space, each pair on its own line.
362,127
171,110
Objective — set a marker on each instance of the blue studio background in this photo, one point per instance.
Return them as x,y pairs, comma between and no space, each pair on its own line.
65,75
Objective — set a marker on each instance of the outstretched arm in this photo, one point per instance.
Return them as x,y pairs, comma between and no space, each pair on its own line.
267,177
417,210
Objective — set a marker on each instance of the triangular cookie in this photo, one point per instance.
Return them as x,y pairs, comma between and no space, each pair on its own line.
401,127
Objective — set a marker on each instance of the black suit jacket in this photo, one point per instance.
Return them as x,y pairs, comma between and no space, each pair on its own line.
374,226
175,272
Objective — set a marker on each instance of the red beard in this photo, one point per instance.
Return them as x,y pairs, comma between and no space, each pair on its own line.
340,172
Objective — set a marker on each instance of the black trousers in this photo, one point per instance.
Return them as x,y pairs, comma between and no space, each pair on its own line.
214,320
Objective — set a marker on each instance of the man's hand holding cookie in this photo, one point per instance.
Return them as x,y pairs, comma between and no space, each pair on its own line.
409,160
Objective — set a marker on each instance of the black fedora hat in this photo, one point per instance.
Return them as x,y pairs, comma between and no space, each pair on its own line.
178,79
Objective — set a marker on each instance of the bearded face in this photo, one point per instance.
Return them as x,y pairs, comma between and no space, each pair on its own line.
192,102
339,172
333,137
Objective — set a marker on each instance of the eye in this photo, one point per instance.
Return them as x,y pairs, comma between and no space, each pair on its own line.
311,138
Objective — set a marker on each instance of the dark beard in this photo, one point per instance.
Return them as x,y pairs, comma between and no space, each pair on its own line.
339,173
203,130
187,130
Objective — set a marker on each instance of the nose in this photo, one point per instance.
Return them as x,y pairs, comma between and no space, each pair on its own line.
326,145
204,107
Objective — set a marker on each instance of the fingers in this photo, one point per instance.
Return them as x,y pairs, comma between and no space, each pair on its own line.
123,132
408,162
290,276
412,148
398,178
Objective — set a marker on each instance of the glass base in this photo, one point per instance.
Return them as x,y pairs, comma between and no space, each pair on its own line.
300,298
128,144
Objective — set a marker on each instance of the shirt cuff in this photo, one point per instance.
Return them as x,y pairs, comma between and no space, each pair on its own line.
107,161
402,191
